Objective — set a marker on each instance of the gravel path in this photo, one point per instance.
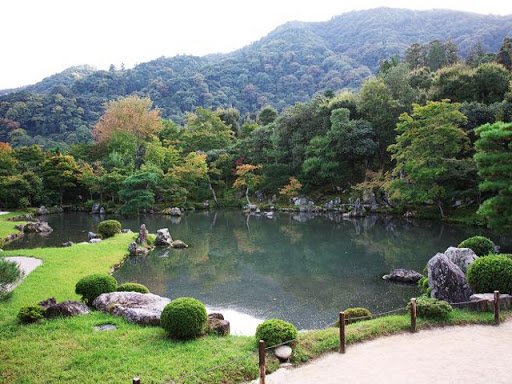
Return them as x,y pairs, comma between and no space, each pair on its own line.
464,354
26,264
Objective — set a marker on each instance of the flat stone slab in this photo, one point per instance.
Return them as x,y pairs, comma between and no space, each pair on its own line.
105,327
139,308
485,301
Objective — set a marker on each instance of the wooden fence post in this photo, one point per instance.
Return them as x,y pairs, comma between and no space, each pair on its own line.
413,315
262,361
497,307
342,332
136,380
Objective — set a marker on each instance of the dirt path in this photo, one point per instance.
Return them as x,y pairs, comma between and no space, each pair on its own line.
466,354
26,264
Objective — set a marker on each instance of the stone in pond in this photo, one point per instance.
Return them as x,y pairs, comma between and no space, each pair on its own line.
67,308
283,352
163,237
179,244
37,227
403,276
139,308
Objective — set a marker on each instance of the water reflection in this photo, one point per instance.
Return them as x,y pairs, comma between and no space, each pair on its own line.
303,268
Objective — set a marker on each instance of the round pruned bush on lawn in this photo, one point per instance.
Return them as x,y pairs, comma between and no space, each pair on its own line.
31,314
184,318
428,307
481,245
109,228
489,274
275,331
132,287
91,286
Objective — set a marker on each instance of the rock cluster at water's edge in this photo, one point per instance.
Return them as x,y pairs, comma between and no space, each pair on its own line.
407,276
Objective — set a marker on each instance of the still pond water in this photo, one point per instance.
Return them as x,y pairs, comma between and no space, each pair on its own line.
302,268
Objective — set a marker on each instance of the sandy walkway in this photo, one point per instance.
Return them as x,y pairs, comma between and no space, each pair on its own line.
471,354
26,264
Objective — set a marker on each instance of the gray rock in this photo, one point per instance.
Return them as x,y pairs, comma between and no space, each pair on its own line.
446,280
105,327
485,301
92,235
175,211
142,239
179,244
283,353
126,230
135,250
42,210
461,257
67,244
94,241
37,227
67,308
102,211
163,237
216,315
403,276
135,307
47,303
19,227
96,208
218,326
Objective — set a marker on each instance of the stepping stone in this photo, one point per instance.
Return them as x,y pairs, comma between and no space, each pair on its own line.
105,327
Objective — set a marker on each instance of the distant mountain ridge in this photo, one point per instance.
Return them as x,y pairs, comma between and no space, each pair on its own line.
290,64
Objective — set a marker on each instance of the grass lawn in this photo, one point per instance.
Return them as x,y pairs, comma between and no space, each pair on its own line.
70,351
7,227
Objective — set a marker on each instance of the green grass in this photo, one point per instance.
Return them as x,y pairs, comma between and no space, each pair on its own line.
70,351
7,227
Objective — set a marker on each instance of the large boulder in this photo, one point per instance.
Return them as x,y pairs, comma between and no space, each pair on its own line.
175,211
42,210
407,276
447,280
95,208
67,308
163,237
37,227
461,257
47,303
139,308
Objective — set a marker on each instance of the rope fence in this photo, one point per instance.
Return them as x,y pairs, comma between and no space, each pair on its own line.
342,322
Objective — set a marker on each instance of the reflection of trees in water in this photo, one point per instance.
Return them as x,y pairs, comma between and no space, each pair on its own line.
324,262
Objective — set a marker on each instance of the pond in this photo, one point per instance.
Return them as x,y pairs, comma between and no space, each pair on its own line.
303,268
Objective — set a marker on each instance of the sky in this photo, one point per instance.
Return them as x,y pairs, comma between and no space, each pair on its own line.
40,38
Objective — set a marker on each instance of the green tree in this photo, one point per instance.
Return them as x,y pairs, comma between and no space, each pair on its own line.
137,191
504,56
494,161
430,142
59,173
268,114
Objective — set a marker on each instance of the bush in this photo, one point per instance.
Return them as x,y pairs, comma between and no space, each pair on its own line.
184,318
9,274
109,228
431,308
132,287
489,274
275,331
482,246
351,313
90,287
31,314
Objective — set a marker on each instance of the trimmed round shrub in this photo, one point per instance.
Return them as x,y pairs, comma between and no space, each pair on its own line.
352,313
132,287
489,274
429,307
90,287
275,331
482,246
109,228
31,314
184,318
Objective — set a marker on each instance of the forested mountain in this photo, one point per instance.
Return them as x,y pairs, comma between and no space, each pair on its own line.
291,64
